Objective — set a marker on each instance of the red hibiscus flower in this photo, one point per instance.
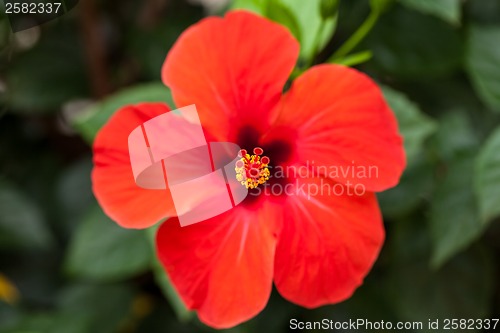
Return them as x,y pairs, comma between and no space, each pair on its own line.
316,248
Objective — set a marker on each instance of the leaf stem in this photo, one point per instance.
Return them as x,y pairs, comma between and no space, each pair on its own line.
357,37
354,59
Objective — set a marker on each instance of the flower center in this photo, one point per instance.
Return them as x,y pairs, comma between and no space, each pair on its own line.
252,170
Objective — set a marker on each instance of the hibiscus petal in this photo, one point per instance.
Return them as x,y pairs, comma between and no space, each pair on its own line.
112,178
344,128
328,242
233,68
222,267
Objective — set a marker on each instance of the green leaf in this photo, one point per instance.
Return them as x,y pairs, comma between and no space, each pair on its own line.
281,14
9,316
166,286
308,16
455,136
92,119
22,225
415,186
74,193
454,220
462,288
255,6
416,182
434,50
454,216
483,63
80,308
487,178
31,323
448,10
483,12
414,125
93,308
102,250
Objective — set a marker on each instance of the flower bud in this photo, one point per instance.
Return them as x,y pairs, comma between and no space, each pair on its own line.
328,8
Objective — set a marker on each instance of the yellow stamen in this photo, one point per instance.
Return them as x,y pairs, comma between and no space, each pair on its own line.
252,170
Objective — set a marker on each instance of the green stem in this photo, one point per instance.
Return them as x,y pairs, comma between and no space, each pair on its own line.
354,59
357,37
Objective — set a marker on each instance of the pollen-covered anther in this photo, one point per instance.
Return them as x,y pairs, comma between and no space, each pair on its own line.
252,170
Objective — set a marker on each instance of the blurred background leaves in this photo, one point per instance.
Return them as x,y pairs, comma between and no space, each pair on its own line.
448,10
102,250
89,120
71,269
482,62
